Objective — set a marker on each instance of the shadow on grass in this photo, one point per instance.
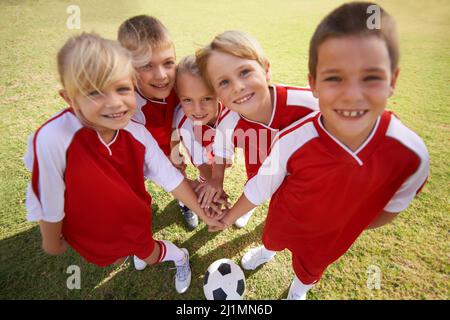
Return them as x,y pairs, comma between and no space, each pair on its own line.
26,272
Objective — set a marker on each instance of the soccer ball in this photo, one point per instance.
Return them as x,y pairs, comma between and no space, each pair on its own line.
224,280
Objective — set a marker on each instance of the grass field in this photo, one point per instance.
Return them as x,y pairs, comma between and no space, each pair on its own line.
412,253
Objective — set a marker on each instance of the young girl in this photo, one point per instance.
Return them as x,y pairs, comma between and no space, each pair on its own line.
195,120
235,66
89,163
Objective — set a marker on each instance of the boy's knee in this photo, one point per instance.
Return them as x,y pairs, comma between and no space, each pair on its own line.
153,257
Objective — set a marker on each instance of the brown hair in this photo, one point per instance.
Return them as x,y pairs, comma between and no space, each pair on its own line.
236,43
140,34
351,19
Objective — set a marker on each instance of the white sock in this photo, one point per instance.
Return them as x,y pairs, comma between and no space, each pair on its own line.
170,252
267,253
299,289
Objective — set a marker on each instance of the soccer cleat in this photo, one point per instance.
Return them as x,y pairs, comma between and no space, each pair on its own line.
190,217
183,275
293,296
139,264
298,291
255,257
242,221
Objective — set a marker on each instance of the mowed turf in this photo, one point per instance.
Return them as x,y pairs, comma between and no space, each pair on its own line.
412,253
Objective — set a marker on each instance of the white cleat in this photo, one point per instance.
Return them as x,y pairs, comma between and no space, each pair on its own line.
242,221
255,257
139,264
183,276
292,296
298,290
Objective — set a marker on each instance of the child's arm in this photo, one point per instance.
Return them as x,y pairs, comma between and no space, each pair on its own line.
176,157
409,189
383,218
212,190
52,241
45,200
205,171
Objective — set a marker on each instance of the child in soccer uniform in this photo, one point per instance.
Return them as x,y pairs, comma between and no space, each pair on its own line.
89,163
350,167
197,116
195,123
154,59
236,68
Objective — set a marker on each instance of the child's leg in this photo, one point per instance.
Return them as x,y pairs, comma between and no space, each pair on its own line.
189,216
255,257
298,290
166,251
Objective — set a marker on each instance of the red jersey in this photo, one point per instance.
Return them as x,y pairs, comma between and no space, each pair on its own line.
157,117
324,195
235,131
96,189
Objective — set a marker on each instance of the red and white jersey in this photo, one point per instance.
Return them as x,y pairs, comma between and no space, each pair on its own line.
96,189
197,139
157,117
324,195
235,131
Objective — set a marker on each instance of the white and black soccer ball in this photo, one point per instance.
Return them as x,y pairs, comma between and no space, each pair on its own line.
224,280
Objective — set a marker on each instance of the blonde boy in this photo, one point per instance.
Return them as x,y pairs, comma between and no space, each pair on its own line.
154,59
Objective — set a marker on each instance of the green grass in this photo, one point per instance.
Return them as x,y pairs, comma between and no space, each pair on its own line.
412,253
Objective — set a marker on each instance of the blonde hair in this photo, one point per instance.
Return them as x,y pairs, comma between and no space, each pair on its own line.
350,19
140,34
88,62
188,65
236,43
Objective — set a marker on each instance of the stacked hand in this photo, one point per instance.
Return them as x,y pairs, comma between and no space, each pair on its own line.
210,192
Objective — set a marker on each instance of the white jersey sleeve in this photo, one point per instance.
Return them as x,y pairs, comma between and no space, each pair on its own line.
274,169
46,158
138,115
157,166
406,193
223,146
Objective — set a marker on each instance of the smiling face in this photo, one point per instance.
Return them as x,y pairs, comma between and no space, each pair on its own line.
109,109
199,103
157,78
353,82
241,84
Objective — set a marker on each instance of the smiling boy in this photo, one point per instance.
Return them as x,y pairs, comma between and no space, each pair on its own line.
350,167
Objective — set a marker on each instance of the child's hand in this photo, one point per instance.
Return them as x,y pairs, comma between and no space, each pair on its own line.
193,183
215,229
218,209
214,224
209,192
